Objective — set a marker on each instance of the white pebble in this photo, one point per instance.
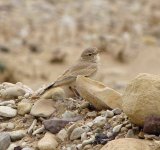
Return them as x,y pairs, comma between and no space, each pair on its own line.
117,128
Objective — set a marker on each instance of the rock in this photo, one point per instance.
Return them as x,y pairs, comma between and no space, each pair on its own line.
117,128
92,114
71,128
129,126
62,135
27,89
55,94
39,130
43,108
10,102
6,111
18,148
87,147
99,121
12,92
152,125
123,129
83,136
109,134
17,135
48,142
141,135
27,148
131,144
31,128
88,141
130,134
150,137
8,125
55,125
24,108
109,114
68,114
12,146
101,139
117,111
4,141
100,96
72,147
89,124
141,98
76,133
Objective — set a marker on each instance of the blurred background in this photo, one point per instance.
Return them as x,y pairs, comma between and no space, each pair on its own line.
39,39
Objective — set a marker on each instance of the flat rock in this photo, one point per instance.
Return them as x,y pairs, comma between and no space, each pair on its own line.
55,125
131,144
48,142
6,111
4,141
43,108
100,96
142,98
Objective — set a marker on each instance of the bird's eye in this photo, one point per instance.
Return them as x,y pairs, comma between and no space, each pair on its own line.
89,54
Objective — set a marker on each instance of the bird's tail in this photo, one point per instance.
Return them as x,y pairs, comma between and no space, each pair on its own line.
47,88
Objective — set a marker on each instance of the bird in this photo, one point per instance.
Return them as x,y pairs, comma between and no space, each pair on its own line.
87,66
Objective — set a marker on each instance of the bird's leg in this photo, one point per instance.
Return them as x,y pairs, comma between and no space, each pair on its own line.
74,91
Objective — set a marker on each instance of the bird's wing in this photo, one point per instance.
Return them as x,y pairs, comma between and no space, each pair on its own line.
71,74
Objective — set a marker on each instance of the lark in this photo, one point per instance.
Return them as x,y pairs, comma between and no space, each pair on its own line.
87,66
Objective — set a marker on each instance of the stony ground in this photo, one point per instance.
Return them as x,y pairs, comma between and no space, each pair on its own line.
40,39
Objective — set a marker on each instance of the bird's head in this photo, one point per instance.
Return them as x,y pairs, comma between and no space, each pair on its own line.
90,54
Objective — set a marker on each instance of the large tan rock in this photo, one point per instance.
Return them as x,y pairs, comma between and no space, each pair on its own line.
142,98
131,144
100,96
43,108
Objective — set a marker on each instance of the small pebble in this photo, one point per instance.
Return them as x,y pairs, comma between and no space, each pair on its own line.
92,114
68,114
62,135
30,130
109,134
109,114
123,129
117,111
99,121
76,133
129,126
130,134
117,128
